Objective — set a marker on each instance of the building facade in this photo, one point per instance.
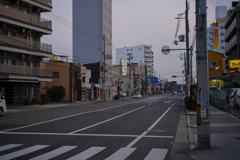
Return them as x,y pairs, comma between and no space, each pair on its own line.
232,50
21,50
94,35
216,63
216,31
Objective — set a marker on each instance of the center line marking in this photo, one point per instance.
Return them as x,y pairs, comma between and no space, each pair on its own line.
150,128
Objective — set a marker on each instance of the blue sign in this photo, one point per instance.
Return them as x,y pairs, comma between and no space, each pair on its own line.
154,79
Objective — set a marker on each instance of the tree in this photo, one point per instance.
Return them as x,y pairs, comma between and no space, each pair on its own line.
56,93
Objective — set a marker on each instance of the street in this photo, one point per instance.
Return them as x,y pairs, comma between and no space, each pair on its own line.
125,129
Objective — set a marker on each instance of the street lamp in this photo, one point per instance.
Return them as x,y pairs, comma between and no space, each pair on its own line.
217,72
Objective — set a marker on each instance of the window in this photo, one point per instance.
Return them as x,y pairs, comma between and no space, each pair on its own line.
222,48
28,63
101,68
212,64
221,27
26,91
13,34
83,79
222,34
1,60
13,62
222,41
55,75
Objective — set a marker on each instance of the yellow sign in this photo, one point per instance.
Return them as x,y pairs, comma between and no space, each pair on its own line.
234,63
54,58
212,83
215,35
222,21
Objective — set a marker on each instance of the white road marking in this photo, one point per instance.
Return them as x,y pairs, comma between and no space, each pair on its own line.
87,153
168,101
22,152
54,153
121,154
86,135
9,146
150,128
156,154
69,116
106,120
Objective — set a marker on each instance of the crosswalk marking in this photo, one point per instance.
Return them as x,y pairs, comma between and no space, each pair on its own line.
22,152
121,154
87,153
9,146
54,153
156,154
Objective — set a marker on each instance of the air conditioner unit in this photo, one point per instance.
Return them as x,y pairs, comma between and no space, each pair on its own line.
210,67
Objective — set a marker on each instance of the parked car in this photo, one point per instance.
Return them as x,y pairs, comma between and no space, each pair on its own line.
123,94
137,95
234,97
3,107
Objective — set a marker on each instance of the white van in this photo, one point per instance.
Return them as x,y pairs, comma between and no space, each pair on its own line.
3,107
236,97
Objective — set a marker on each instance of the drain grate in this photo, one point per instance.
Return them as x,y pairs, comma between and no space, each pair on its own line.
180,152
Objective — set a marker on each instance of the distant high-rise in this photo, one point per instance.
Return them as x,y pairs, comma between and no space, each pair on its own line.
92,19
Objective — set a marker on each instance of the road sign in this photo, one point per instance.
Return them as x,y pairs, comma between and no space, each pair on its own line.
165,50
154,79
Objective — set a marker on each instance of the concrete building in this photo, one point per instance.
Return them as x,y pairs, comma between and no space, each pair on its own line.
232,49
94,18
170,86
21,50
116,82
216,31
142,54
139,84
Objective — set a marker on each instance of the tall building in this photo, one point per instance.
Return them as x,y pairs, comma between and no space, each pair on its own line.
21,50
92,19
232,49
216,31
142,54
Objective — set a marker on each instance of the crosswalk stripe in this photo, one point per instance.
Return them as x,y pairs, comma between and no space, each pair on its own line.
87,153
121,154
9,146
156,154
22,152
54,153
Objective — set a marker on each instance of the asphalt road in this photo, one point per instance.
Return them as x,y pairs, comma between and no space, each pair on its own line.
133,129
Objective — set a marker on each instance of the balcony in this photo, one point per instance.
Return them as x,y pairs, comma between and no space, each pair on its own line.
230,28
24,70
24,43
46,2
25,17
231,43
148,59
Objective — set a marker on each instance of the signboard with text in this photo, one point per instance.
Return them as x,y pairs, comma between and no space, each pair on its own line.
154,79
215,35
124,67
234,66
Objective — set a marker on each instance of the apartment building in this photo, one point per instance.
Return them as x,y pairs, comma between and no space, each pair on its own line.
216,31
95,36
21,50
141,54
232,50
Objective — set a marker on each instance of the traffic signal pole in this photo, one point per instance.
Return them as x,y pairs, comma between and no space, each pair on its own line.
203,116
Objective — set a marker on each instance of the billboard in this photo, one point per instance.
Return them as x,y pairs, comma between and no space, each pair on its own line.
216,83
215,35
234,66
124,66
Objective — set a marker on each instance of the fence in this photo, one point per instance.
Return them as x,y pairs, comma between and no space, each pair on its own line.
221,94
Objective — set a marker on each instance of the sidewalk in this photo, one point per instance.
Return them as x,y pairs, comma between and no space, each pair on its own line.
225,136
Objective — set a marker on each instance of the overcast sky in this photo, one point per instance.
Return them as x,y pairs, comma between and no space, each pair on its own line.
136,22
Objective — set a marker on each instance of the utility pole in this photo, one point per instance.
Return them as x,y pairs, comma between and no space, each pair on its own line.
185,66
130,68
187,46
104,41
191,64
203,113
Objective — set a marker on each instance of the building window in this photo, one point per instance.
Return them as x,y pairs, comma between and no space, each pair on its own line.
13,62
212,64
2,60
222,48
222,34
13,34
28,63
101,68
83,79
222,41
26,91
55,75
221,27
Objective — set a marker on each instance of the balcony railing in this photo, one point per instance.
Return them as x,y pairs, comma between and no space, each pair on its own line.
231,43
230,28
25,17
47,2
20,42
148,59
24,70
